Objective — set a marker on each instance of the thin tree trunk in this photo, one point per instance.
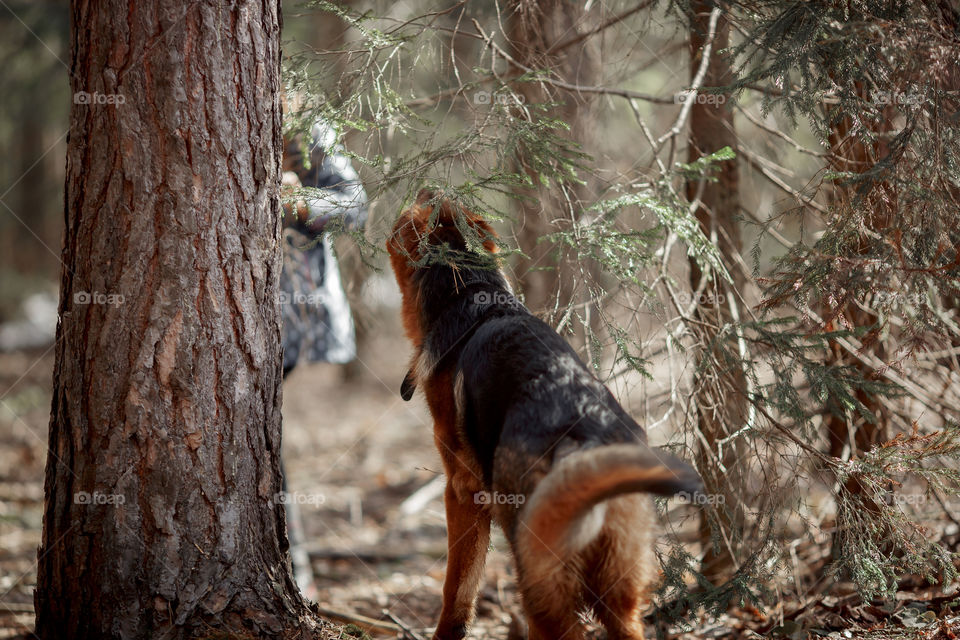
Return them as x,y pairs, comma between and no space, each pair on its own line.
548,278
848,153
851,434
161,518
721,389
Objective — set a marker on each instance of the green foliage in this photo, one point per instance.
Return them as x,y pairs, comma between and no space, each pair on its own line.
622,253
748,587
513,146
879,540
873,81
879,71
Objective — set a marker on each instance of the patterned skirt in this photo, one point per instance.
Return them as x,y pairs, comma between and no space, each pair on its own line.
317,325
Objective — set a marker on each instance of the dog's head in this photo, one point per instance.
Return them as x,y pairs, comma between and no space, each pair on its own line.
435,231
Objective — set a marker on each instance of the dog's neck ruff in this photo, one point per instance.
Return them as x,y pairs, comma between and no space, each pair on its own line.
471,282
460,317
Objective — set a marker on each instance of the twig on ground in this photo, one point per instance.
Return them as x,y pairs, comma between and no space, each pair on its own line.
408,632
367,624
423,496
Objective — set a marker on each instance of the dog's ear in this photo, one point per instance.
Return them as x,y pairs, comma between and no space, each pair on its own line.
408,386
425,195
488,237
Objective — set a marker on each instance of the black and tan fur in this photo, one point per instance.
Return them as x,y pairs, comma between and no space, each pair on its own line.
517,415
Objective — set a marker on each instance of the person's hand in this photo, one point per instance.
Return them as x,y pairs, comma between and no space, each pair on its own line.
289,183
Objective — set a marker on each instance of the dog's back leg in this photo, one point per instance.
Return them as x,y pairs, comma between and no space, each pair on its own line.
623,566
561,622
551,593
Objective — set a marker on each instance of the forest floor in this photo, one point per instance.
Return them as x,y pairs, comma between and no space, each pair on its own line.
362,465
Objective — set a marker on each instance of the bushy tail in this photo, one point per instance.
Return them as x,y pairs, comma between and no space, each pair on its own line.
564,513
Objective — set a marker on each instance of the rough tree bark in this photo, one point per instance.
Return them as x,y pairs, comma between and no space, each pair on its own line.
721,390
161,518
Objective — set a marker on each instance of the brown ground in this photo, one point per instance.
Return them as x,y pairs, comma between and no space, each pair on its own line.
355,452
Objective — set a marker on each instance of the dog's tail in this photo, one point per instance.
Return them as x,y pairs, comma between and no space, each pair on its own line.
566,511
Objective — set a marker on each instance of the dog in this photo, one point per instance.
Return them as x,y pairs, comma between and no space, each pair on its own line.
529,439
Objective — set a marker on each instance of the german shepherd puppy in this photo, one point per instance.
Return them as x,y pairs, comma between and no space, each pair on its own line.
528,437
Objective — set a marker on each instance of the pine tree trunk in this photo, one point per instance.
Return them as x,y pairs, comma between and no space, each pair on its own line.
721,391
161,518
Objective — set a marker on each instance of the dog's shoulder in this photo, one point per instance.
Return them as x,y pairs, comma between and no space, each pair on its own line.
526,390
455,317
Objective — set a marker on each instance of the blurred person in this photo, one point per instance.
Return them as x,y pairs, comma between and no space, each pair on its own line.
317,323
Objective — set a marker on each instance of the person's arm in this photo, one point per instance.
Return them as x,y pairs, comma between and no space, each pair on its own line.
339,195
